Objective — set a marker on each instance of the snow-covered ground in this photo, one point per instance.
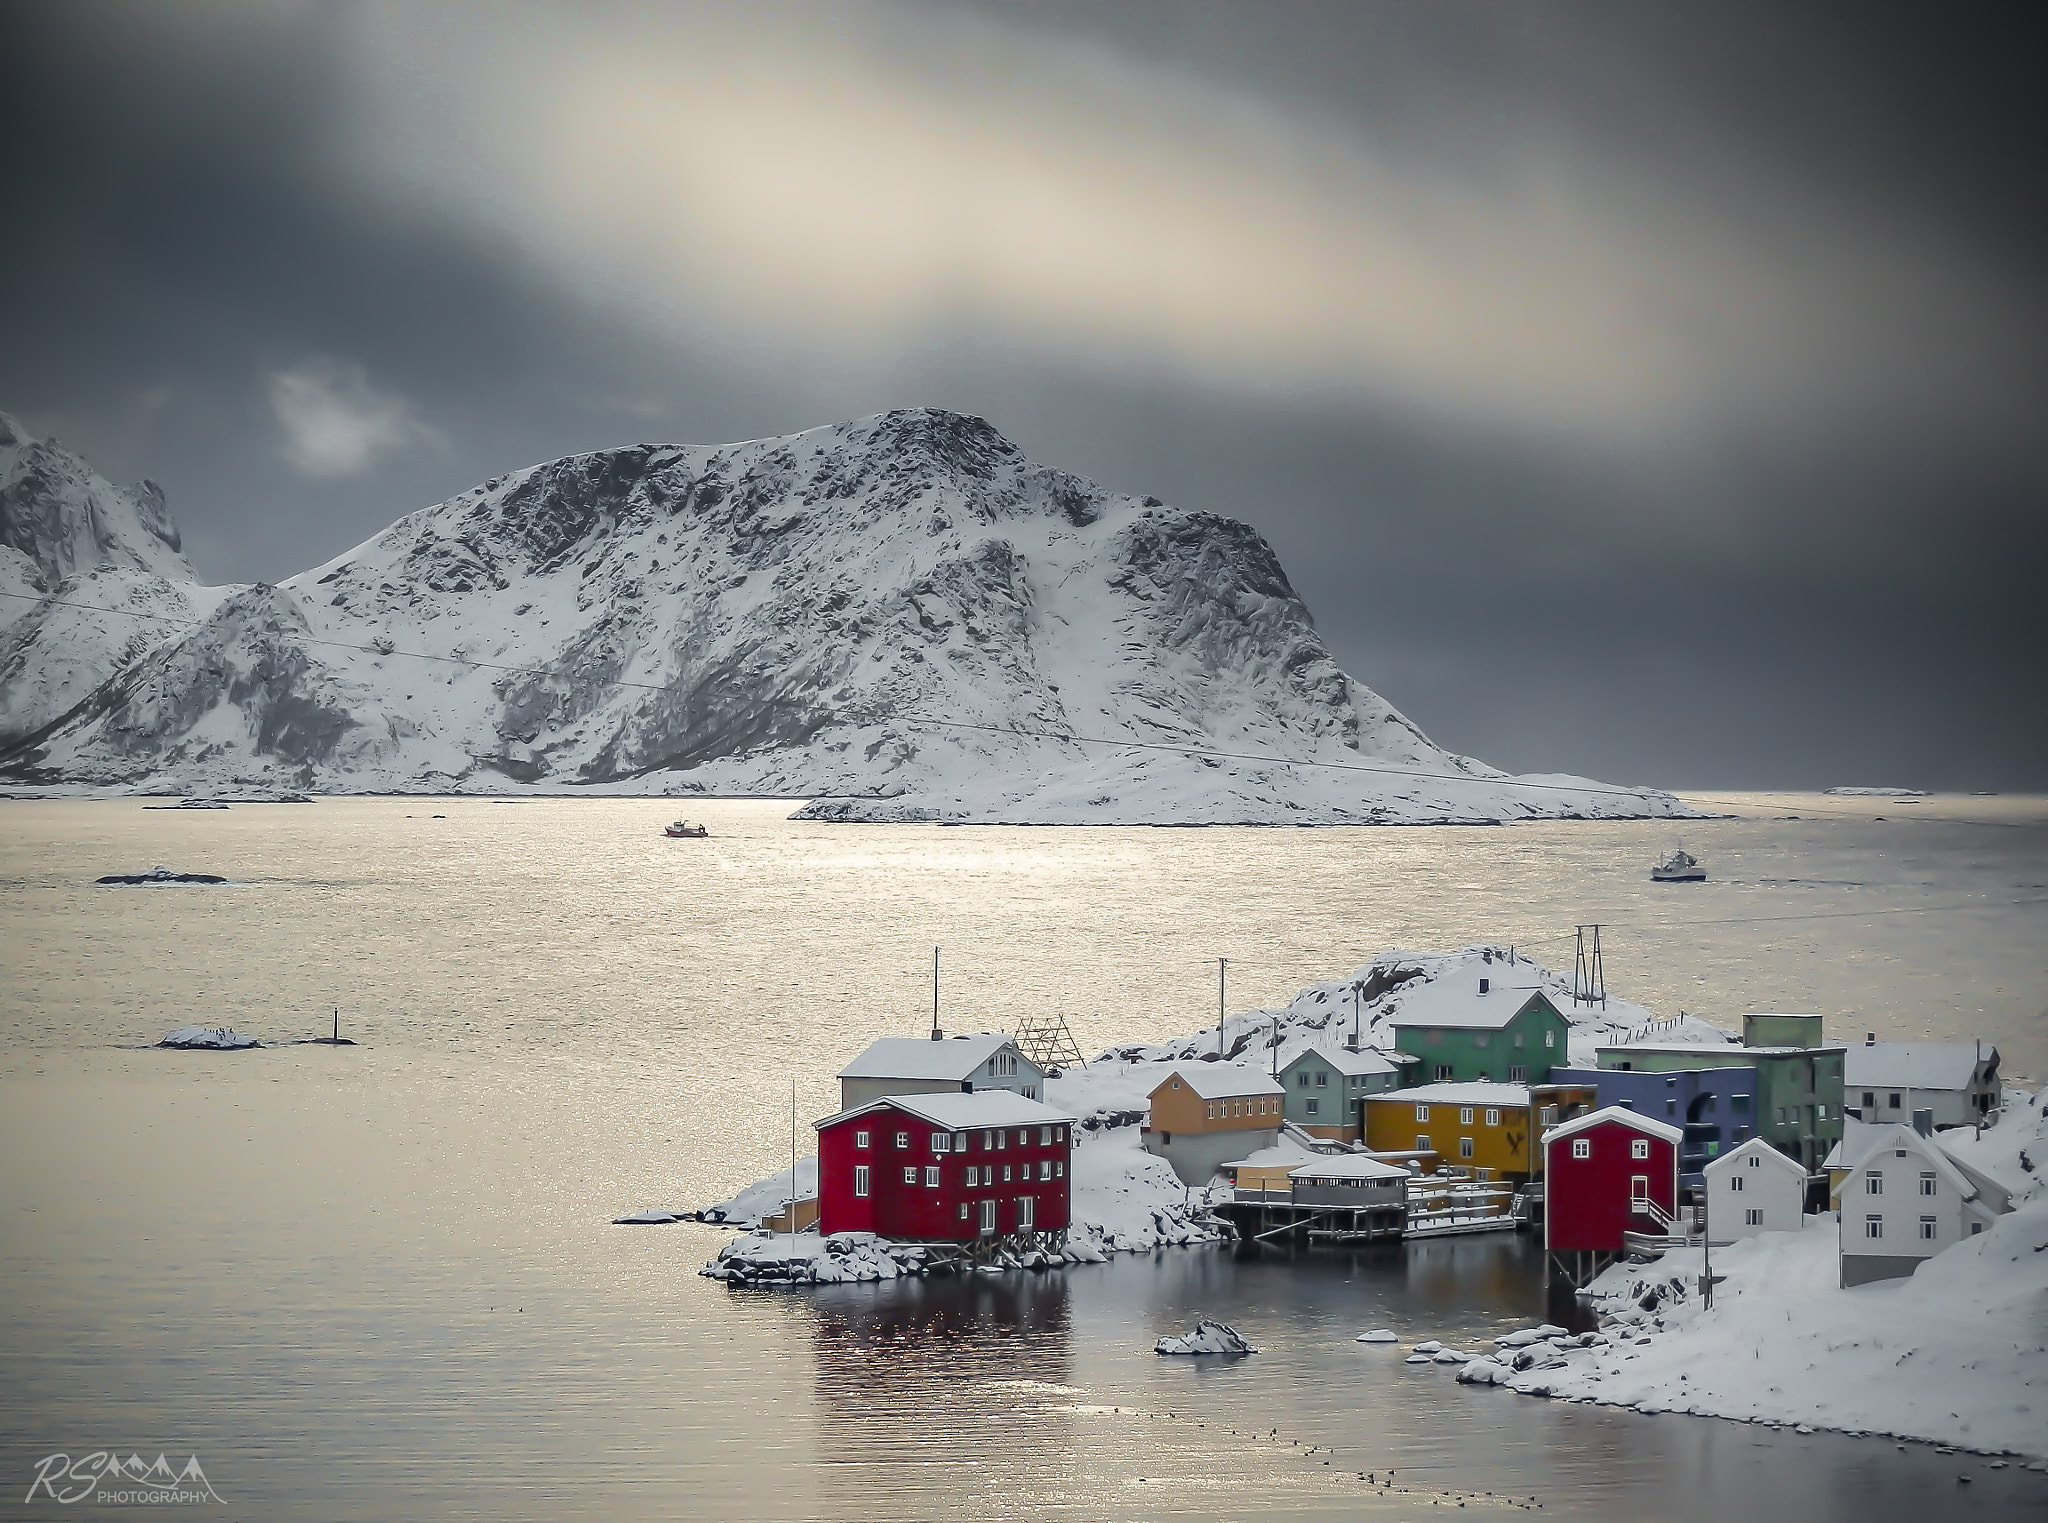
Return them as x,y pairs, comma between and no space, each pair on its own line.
1955,1354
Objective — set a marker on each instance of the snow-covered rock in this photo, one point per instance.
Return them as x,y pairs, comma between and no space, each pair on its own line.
647,1219
899,618
1378,1335
1483,1372
805,1258
1208,1337
210,1037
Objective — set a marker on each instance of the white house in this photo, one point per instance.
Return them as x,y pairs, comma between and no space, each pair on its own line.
1888,1081
1903,1198
1754,1188
923,1066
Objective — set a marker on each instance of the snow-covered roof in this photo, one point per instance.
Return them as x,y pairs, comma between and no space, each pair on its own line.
961,1112
1914,1065
1966,1181
904,1057
1221,1081
1851,1144
1692,1047
1625,1116
1455,1001
1351,1166
1283,1155
1367,1060
1475,1092
1738,1157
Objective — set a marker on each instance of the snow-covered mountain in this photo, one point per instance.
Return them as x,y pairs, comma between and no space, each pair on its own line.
72,542
899,618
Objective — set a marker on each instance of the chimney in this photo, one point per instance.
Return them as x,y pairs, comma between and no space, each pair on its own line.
1485,984
1352,1041
1923,1122
1870,1039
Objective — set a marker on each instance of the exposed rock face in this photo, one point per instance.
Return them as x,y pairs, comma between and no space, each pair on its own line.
72,543
899,617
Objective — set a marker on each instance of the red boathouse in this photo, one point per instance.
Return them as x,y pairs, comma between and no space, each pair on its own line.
987,1169
1606,1174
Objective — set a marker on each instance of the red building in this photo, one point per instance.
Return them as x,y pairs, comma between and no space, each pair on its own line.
952,1168
1606,1174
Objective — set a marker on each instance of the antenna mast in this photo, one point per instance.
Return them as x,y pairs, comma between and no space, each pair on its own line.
1589,974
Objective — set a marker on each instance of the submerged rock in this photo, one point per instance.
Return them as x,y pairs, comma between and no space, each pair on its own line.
158,875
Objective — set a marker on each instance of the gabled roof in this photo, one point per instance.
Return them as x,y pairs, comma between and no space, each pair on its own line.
960,1112
1367,1060
1851,1144
1473,1092
1455,1001
904,1057
1284,1154
1756,1147
1619,1113
1914,1065
1220,1081
1351,1166
1970,1183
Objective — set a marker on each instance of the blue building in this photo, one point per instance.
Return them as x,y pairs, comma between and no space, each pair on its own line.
1715,1107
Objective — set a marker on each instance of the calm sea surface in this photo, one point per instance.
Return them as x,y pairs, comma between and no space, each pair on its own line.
380,1282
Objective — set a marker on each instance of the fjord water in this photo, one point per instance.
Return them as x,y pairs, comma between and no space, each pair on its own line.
380,1281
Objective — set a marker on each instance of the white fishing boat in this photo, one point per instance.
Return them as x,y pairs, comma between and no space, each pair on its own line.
1680,867
681,828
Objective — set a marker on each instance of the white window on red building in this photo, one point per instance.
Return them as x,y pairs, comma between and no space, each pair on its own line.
1639,1147
903,1139
910,1173
931,1177
1027,1212
1006,1173
942,1142
1059,1169
860,1139
860,1179
963,1210
1582,1147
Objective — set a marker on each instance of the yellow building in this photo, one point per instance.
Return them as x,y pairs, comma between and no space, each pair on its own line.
1487,1131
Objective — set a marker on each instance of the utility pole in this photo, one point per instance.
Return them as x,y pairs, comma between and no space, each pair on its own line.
1222,963
1276,1046
1357,997
1589,975
936,1033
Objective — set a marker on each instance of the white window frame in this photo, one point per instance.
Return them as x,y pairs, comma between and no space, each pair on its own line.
1027,1213
1312,1105
860,1180
903,1139
1464,1115
931,1176
1582,1147
1421,1113
942,1142
1492,1116
1639,1147
1873,1181
1873,1226
1422,1143
1464,1147
910,1173
1930,1184
1734,1181
1753,1217
988,1216
1638,1189
860,1139
1930,1228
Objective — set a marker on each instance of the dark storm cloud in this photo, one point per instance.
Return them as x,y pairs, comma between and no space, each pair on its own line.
1643,391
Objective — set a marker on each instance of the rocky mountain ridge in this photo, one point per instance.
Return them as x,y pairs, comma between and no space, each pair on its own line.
900,617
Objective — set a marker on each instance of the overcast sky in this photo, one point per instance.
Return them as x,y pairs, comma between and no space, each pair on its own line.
1654,392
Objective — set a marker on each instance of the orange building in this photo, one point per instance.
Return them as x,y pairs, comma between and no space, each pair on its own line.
1205,1115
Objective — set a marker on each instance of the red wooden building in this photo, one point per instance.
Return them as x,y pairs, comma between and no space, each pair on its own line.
986,1168
1606,1174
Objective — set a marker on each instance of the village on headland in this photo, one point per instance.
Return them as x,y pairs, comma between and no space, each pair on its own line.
1772,1225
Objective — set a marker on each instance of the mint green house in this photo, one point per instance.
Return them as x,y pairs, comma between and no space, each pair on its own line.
1324,1087
1468,1028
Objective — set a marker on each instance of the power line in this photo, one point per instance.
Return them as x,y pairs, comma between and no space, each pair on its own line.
1066,737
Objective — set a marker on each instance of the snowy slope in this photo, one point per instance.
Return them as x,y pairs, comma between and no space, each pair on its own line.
1322,1016
895,617
69,537
1957,1353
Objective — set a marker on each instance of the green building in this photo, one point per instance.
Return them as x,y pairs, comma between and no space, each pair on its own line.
1468,1028
1325,1087
1798,1079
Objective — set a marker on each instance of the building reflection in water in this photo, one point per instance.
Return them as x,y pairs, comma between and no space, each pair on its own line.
933,1390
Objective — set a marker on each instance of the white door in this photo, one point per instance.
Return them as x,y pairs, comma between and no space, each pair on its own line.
988,1217
1027,1212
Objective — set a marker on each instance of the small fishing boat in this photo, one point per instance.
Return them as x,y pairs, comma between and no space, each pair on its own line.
682,828
1680,867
